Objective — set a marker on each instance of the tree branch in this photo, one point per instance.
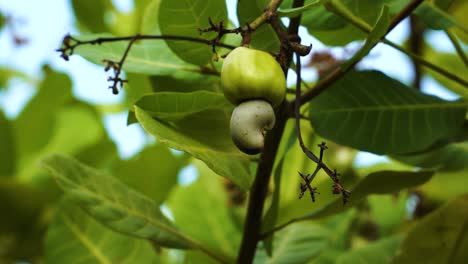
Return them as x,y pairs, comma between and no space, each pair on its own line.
324,83
457,46
416,41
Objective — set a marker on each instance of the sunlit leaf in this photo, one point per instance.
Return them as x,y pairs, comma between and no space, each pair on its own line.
441,237
208,199
7,149
114,204
381,251
73,236
150,21
147,56
388,118
185,18
296,244
381,182
152,172
39,114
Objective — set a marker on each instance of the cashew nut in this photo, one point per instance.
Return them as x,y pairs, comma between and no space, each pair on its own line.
248,122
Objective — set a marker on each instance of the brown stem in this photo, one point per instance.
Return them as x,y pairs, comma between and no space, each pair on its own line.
416,41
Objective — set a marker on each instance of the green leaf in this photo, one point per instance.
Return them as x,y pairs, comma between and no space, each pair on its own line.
264,38
381,182
74,236
207,198
389,120
294,12
114,204
441,237
185,18
205,136
7,73
321,19
7,149
445,185
171,106
152,172
381,252
296,244
145,57
91,14
271,215
150,20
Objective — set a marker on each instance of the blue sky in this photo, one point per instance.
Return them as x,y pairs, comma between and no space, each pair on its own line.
46,22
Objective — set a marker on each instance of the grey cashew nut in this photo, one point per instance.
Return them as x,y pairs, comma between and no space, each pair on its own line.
248,122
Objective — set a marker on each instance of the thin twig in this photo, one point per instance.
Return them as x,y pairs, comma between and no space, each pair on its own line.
337,187
457,46
69,44
416,42
325,83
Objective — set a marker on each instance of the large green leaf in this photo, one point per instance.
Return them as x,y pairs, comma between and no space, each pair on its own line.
264,38
74,237
152,172
114,204
296,244
148,56
185,18
205,135
219,231
380,252
150,21
441,237
7,149
381,182
385,119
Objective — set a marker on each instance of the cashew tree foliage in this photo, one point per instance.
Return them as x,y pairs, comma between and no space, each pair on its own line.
274,162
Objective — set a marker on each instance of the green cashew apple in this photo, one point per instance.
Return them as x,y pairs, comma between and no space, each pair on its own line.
252,74
255,83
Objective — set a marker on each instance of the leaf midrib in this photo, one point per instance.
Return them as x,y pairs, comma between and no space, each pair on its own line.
93,249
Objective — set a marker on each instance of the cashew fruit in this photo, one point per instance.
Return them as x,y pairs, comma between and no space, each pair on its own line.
252,74
254,82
